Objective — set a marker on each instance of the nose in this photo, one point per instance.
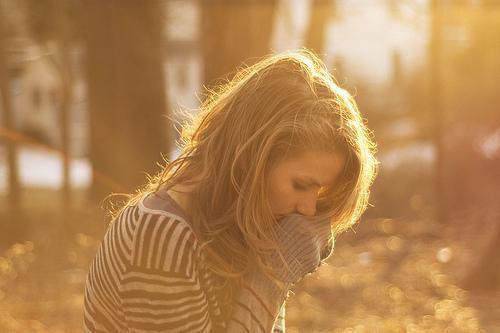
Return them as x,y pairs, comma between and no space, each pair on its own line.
307,205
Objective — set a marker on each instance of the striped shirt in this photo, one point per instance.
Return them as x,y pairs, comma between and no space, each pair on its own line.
149,276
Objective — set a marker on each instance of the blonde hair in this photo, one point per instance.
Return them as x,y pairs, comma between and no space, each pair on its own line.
284,104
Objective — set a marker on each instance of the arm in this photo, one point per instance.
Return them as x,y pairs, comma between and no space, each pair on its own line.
258,304
302,243
162,288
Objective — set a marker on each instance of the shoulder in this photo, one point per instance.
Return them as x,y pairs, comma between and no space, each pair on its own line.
163,240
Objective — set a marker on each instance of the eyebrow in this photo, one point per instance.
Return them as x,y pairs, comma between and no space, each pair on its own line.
311,181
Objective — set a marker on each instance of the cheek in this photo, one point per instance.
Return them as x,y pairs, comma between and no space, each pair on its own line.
279,196
274,199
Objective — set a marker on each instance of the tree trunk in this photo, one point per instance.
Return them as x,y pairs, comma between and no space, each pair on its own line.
63,64
126,92
8,125
320,13
234,32
437,113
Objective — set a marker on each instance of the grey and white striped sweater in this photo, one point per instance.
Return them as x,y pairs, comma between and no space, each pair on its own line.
149,276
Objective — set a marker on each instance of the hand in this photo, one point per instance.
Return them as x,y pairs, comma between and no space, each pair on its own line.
303,243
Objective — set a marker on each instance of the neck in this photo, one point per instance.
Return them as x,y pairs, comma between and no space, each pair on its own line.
182,198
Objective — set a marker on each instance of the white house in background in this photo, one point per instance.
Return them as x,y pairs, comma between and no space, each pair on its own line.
36,97
37,91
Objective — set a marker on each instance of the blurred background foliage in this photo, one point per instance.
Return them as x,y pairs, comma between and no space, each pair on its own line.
90,93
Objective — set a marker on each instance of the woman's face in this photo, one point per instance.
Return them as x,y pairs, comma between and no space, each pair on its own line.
294,183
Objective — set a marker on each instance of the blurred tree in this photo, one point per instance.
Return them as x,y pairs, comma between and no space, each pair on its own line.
53,21
50,19
473,143
436,109
126,92
233,32
320,13
7,120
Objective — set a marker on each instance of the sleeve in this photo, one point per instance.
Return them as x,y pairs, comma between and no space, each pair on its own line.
162,289
259,306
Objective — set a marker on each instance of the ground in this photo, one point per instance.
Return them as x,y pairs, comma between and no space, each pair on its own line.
385,276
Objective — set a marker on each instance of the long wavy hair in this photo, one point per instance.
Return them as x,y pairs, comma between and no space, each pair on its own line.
284,104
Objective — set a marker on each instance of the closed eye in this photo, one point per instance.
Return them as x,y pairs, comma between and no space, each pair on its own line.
297,185
300,187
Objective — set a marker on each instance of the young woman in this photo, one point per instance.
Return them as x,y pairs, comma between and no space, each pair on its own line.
277,162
